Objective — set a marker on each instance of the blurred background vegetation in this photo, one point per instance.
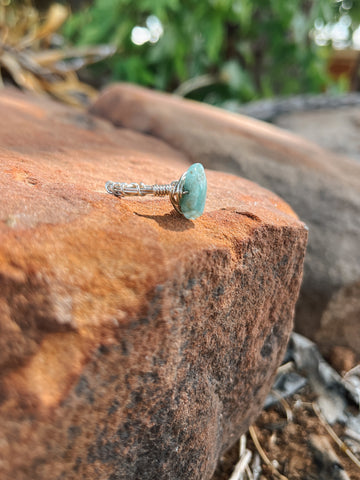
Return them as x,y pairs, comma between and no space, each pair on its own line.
214,51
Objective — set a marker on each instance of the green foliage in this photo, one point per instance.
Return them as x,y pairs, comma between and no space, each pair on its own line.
238,49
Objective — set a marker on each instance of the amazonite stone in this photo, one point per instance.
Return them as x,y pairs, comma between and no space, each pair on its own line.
192,204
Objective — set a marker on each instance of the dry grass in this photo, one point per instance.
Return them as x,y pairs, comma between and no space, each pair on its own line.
34,57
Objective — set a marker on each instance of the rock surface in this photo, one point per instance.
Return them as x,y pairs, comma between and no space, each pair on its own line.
323,188
337,130
134,343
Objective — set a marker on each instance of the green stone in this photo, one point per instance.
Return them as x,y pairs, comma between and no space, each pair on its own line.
192,204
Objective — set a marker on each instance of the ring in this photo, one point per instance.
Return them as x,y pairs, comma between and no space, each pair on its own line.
188,194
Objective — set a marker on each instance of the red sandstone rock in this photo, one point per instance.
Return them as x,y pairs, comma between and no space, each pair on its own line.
134,343
323,188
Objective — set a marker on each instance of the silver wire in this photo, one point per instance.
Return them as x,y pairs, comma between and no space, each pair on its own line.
174,190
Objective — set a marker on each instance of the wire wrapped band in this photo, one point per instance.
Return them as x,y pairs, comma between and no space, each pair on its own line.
173,189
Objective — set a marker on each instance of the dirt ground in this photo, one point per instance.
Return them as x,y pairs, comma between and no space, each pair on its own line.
286,443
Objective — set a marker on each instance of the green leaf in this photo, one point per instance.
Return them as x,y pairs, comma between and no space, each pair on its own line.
214,37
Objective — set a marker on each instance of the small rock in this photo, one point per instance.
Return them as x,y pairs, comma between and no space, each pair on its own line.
339,326
342,359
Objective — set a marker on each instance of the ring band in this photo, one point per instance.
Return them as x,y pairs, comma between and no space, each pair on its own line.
187,195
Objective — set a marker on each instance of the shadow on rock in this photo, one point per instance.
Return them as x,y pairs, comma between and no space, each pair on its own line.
170,221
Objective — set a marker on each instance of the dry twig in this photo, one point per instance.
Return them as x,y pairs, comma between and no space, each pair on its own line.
263,455
333,435
284,404
240,467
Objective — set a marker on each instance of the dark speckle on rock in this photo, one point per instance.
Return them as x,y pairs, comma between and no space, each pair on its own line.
83,389
219,291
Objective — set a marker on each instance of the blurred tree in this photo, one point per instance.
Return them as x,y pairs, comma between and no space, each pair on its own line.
211,50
